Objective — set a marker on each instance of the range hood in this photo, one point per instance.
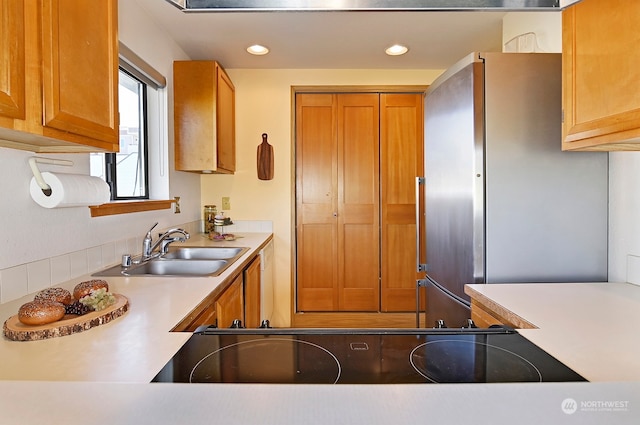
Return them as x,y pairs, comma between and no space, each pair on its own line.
367,5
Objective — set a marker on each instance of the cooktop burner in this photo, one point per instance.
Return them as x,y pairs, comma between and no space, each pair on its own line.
362,356
324,367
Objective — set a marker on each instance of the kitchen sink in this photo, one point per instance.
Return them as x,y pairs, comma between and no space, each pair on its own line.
204,253
182,261
164,267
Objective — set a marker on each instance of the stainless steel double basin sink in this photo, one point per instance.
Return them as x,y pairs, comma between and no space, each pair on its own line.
182,261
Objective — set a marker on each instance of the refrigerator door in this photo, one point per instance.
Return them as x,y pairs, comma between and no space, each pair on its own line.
454,180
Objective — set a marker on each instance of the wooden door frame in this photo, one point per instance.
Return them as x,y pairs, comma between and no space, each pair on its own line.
339,319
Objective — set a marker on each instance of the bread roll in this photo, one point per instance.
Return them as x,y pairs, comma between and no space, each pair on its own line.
60,295
40,312
84,288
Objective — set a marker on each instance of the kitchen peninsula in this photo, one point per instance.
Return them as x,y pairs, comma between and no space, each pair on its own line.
110,367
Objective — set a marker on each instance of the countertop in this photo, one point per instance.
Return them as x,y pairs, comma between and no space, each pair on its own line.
101,376
141,337
591,327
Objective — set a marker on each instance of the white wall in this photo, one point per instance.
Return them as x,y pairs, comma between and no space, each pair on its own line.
624,217
547,27
40,247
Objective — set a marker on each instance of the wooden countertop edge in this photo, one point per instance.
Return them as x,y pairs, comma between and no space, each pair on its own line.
489,304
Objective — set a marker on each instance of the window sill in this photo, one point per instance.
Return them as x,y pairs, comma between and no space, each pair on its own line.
125,207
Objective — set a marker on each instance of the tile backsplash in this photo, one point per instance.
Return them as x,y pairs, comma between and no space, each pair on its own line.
24,279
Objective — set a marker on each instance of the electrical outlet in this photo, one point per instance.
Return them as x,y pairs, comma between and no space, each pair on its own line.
176,205
226,203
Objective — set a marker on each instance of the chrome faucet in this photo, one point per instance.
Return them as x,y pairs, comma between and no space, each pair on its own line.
164,240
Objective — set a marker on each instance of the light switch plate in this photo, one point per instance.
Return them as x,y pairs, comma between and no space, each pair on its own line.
226,203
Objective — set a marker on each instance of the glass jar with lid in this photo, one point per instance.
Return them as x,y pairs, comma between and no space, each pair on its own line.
209,216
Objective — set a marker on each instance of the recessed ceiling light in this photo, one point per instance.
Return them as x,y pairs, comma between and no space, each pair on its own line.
257,49
396,50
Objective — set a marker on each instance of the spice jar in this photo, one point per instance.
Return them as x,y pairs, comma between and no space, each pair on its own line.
209,216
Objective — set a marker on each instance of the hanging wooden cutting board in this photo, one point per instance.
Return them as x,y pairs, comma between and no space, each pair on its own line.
68,325
265,159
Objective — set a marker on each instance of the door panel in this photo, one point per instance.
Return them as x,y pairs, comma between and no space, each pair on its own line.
401,140
358,202
316,179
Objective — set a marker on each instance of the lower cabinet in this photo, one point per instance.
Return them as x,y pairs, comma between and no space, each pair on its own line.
240,300
230,305
485,313
252,294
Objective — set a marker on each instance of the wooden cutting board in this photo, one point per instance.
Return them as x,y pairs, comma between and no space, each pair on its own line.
70,324
265,159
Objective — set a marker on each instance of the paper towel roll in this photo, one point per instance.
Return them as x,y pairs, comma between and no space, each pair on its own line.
70,190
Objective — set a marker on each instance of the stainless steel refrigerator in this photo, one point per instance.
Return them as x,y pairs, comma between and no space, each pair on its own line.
503,203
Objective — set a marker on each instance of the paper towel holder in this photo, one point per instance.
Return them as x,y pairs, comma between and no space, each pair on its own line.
46,189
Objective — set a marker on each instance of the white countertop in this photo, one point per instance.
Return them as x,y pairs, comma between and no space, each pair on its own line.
108,368
591,327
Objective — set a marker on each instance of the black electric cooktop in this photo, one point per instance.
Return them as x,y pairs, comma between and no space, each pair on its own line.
362,356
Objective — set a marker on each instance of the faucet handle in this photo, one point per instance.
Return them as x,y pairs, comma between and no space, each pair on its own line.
126,260
152,227
146,242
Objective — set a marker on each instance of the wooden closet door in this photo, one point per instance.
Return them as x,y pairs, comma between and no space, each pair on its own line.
316,203
358,202
401,159
337,202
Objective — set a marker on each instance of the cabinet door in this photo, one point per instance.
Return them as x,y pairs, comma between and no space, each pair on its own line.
226,117
601,70
401,161
252,294
12,59
230,306
80,68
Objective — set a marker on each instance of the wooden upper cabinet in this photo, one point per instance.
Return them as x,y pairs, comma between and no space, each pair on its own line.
204,118
59,65
12,59
80,68
601,73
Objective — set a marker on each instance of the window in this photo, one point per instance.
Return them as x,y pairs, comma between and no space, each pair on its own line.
127,172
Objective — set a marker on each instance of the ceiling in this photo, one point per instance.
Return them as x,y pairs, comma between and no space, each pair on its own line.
331,39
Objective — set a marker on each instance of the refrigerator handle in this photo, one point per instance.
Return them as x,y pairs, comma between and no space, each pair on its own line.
420,267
